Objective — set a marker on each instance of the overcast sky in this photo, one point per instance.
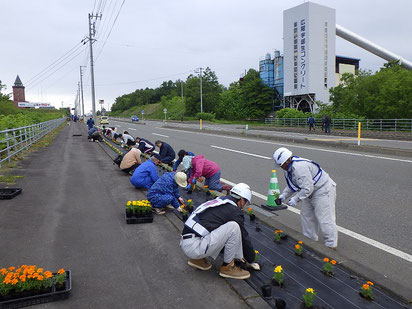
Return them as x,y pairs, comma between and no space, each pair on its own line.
153,41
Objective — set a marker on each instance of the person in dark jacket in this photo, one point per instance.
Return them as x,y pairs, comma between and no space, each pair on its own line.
144,145
165,191
90,123
181,154
94,135
146,174
166,152
219,224
327,124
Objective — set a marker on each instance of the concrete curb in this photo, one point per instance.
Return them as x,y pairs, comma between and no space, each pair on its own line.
353,148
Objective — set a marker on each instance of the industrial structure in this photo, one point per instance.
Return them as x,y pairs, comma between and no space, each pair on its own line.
309,66
19,97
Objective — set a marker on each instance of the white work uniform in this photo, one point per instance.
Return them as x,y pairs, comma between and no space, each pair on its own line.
226,236
127,137
317,191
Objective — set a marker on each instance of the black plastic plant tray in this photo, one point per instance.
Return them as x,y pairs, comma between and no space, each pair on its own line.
274,208
54,295
136,220
339,292
9,193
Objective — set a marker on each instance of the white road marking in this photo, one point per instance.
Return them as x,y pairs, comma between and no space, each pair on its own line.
292,145
160,135
132,129
246,153
403,255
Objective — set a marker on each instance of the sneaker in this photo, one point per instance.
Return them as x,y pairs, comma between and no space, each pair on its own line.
170,207
201,264
159,211
232,271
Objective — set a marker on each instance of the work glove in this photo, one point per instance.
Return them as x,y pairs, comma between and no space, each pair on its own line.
279,200
189,187
194,181
292,202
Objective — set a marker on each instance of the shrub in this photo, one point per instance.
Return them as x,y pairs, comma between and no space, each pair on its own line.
206,116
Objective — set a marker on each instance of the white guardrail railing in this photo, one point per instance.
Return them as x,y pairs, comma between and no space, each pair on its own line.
392,125
14,141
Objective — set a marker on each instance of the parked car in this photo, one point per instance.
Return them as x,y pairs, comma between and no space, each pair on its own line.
135,118
104,120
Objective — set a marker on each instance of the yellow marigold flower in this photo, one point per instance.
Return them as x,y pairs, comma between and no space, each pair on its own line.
366,286
333,262
310,290
134,203
256,252
297,247
300,242
40,278
61,271
129,203
278,269
370,282
189,201
326,260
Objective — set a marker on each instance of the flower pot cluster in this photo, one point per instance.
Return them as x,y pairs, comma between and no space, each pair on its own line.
29,280
328,267
252,216
366,291
139,212
186,209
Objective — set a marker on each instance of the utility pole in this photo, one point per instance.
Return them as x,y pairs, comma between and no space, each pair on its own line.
199,70
181,90
91,35
81,88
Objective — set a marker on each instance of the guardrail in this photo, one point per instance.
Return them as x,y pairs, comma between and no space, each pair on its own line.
14,141
391,125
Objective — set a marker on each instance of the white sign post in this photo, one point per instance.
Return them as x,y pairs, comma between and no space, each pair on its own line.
165,112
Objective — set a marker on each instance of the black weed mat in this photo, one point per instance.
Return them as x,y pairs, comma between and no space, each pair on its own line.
340,291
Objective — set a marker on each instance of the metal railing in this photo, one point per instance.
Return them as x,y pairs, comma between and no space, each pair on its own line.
13,141
388,125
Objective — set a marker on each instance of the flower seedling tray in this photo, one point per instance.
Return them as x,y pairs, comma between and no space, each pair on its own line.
54,295
9,193
135,220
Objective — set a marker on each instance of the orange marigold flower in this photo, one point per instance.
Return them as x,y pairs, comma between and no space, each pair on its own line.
39,270
300,242
326,260
40,278
250,209
6,281
61,271
366,286
280,231
3,271
14,281
22,278
35,275
48,274
333,262
12,268
29,276
370,282
297,247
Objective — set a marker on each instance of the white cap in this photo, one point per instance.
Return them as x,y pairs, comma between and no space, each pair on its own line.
181,179
281,155
187,162
242,190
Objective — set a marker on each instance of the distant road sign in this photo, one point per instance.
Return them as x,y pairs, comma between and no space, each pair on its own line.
165,110
142,111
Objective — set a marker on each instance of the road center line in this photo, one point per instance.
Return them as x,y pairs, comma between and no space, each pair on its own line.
403,255
160,135
246,153
292,145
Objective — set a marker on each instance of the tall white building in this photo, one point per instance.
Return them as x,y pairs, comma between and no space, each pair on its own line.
309,54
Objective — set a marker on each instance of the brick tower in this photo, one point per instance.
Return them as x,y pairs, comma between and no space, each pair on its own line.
18,92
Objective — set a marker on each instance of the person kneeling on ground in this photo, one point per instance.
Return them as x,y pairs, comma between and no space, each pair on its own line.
219,224
201,167
145,146
165,191
131,160
128,140
181,154
166,152
94,135
146,174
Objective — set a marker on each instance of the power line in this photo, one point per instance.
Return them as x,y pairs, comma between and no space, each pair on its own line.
67,54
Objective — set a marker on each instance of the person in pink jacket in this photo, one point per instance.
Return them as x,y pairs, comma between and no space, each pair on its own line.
201,167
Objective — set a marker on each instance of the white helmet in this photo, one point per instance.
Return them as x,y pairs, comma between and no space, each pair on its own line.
242,190
281,155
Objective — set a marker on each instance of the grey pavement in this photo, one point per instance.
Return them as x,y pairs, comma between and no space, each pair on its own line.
374,204
71,215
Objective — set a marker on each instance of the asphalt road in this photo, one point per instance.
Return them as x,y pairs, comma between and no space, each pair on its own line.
373,193
71,215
